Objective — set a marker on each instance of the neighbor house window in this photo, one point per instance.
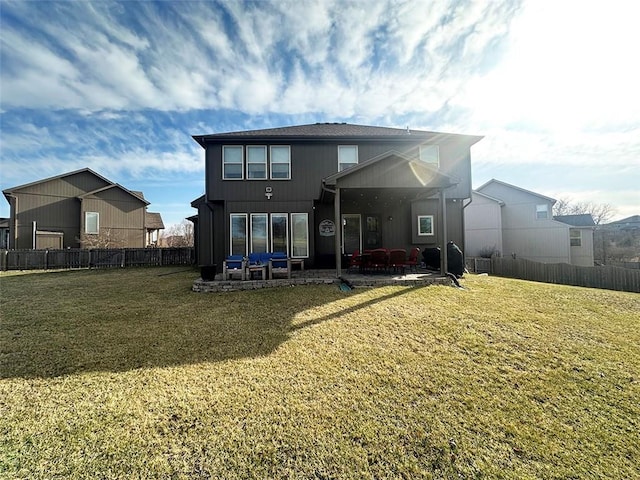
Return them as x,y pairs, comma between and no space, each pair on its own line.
430,154
232,163
347,156
575,237
299,235
91,222
238,234
259,233
542,211
256,163
425,225
280,162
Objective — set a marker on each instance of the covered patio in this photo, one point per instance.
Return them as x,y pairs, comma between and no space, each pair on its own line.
390,184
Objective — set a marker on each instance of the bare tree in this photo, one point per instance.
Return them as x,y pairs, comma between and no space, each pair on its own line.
107,238
601,212
179,235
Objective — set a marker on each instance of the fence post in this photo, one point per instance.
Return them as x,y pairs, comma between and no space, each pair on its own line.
46,259
122,264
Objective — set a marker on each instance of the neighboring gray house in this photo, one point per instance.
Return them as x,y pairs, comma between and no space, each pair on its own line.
76,209
320,191
510,220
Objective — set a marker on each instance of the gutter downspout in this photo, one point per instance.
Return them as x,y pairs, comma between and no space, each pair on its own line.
464,230
13,226
338,240
444,261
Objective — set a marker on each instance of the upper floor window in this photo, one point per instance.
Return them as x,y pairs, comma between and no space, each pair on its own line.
347,156
430,154
575,237
91,223
256,163
232,163
542,211
280,162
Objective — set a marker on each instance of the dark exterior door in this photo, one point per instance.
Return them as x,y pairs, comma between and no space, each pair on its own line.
372,232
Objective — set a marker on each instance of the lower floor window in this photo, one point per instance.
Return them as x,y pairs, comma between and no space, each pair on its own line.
91,223
264,232
299,235
575,237
425,224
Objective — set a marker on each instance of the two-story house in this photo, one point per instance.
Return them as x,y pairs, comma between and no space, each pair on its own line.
79,209
320,191
509,220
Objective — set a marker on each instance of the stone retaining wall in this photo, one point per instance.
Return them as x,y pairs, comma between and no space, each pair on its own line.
235,285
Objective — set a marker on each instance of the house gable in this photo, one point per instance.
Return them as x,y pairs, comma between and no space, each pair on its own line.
391,170
58,205
511,194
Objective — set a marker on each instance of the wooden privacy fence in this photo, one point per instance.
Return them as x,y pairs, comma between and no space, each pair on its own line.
94,258
606,276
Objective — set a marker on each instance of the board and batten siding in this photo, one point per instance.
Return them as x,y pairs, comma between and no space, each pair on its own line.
311,162
483,226
121,215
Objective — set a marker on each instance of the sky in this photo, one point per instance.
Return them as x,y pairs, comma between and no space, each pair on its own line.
120,87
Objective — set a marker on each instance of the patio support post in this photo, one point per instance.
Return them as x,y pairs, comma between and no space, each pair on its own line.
443,214
338,236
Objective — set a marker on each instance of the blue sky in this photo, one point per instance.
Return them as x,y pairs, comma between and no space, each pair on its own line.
120,87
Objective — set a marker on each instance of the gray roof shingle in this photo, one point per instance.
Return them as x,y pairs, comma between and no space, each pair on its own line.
582,220
331,130
153,221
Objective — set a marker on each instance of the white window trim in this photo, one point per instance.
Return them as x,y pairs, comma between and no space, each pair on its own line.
575,237
241,162
86,223
292,223
288,147
433,228
351,165
286,230
546,211
246,232
437,149
265,163
251,217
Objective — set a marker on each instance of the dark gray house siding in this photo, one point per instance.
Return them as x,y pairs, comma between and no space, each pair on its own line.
388,188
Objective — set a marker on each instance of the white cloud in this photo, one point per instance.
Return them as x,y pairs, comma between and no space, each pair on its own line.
555,85
569,65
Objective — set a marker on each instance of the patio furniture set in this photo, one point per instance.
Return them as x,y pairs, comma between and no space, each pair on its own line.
383,260
267,264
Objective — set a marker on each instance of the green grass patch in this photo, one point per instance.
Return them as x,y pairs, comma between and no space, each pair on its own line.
129,374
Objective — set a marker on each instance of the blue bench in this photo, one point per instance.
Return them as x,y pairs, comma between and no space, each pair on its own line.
279,263
274,262
234,264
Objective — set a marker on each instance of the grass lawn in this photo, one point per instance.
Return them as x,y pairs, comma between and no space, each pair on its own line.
129,374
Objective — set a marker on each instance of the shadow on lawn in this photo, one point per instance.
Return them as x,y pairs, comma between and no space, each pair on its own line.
171,326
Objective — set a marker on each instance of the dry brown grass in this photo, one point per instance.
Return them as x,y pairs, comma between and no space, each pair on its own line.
128,374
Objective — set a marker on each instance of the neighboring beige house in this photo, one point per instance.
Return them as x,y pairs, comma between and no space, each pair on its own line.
79,209
511,221
153,224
